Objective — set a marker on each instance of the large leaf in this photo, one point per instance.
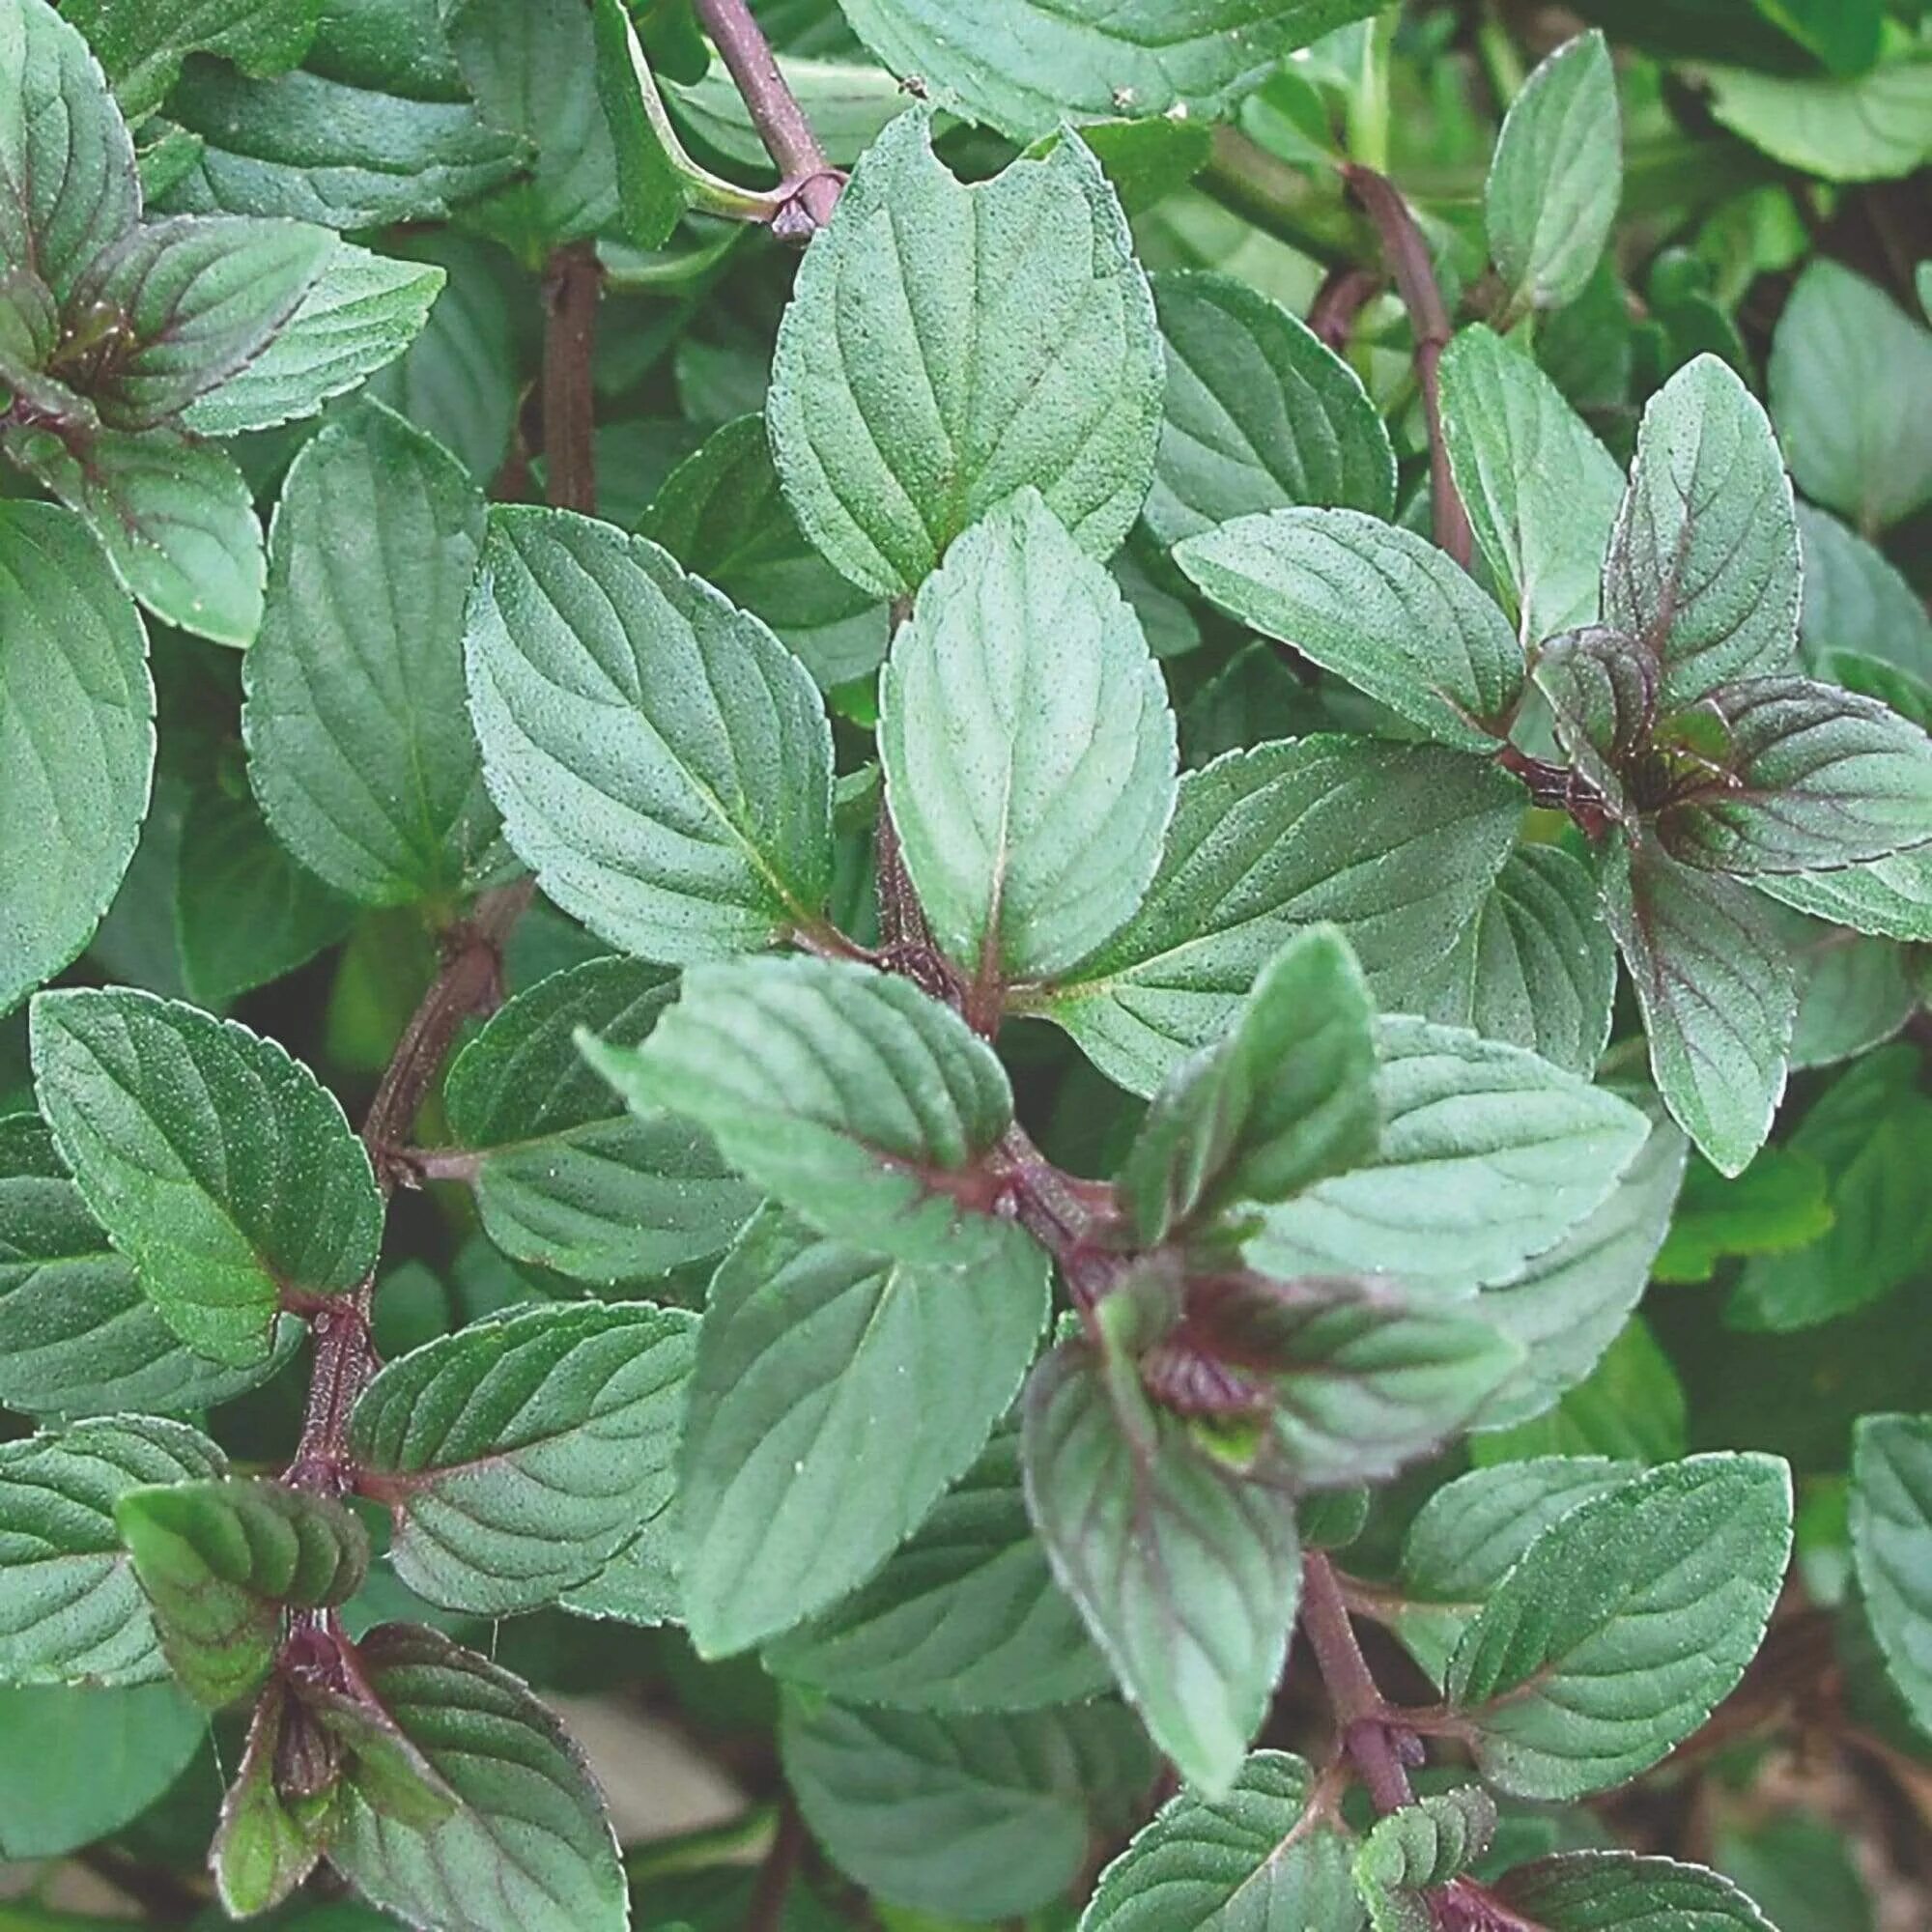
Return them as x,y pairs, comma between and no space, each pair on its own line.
76,741
1006,334
1704,564
1540,490
143,42
1023,66
848,1094
1489,1156
1891,1540
1395,845
359,744
1555,175
567,1177
662,761
1188,1572
836,1393
965,1616
1891,896
1028,748
77,1336
1259,1859
1622,1624
1618,1892
71,1610
1715,984
219,1557
529,1843
218,1165
985,1815
519,1455
1869,128
1374,603
1260,413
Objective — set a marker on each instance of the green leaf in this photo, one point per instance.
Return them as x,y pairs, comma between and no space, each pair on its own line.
661,762
847,1094
1024,66
76,741
77,1336
68,188
1855,601
360,745
1891,1542
965,1616
1541,492
1555,175
639,1585
1703,567
1395,845
1601,687
812,1357
1874,127
1418,1846
989,1816
1631,1406
198,301
1186,1572
1489,1156
219,1557
322,150
143,42
1003,329
722,510
174,516
1472,1531
519,1455
1028,748
360,312
1802,1871
1891,896
529,1843
1260,1859
1622,1624
1871,1132
1715,984
568,1177
1286,1098
71,1610
1854,993
652,191
1814,776
264,1846
1850,372
1618,1892
1375,604
1778,1202
1260,413
218,1165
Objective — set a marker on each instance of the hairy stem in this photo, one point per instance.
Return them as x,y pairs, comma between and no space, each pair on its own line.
571,283
1362,1716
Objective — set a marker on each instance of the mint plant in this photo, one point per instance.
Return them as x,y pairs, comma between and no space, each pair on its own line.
796,931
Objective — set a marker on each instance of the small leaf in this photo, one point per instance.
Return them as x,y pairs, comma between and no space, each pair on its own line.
1374,603
1421,1845
988,1815
1489,1156
1556,175
965,1616
847,1094
568,1176
660,760
1006,332
836,1393
519,1455
218,1165
1259,1857
265,1845
1891,1542
1618,1892
1602,691
1028,748
359,746
1622,1624
651,190
1777,1203
1395,845
218,1559
71,1610
1186,1572
1286,1098
1260,413
77,740
529,1843
1703,567
1715,984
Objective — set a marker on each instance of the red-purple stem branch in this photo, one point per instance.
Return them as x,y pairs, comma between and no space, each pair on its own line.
1362,1716
573,283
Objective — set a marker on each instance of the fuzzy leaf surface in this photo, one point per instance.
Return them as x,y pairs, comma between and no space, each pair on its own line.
1891,1540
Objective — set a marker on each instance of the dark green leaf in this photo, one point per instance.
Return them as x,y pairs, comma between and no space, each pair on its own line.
651,192
1802,1872
143,42
1418,1846
1891,1539
1618,1892
1778,1202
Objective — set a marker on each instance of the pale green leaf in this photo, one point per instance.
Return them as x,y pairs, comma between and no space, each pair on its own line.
1631,1406
1874,127
1891,1540
1854,600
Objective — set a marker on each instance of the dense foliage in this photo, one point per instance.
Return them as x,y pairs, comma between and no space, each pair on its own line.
1140,1088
